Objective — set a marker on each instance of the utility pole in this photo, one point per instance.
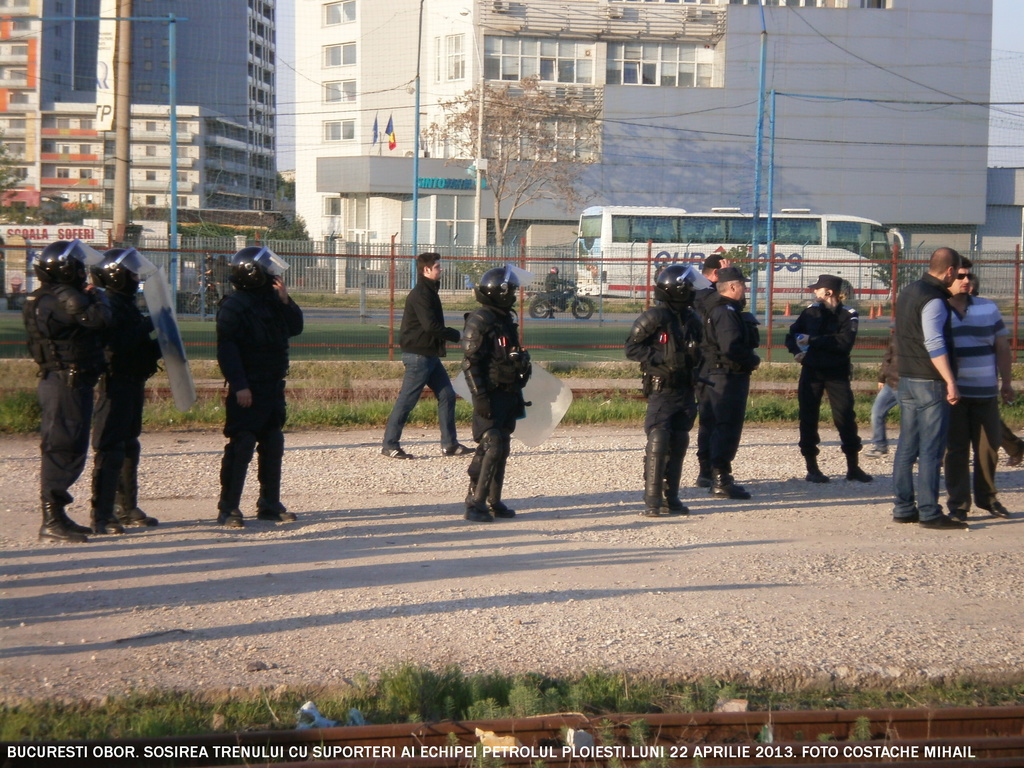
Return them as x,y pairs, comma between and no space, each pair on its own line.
122,119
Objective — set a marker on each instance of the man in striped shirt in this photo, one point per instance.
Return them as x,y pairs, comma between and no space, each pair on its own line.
982,352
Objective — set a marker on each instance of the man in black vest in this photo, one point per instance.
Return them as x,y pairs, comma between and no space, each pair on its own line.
927,390
65,319
254,324
710,269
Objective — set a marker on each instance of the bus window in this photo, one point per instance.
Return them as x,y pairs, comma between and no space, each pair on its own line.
640,229
798,231
740,231
702,229
848,235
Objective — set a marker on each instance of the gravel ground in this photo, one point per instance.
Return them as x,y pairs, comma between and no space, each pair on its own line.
803,584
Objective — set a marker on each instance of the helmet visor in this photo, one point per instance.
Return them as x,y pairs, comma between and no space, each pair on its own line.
523,276
270,261
695,278
86,254
135,262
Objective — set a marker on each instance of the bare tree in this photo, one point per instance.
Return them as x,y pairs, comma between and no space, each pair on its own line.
536,141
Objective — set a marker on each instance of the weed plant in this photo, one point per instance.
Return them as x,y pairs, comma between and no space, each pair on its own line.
412,693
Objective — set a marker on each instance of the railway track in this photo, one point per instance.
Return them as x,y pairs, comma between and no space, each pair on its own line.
984,737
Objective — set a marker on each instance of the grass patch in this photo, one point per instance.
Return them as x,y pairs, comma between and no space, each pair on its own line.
411,693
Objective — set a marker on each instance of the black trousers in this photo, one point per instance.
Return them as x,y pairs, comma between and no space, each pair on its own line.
506,408
723,405
257,428
812,385
64,435
671,409
115,440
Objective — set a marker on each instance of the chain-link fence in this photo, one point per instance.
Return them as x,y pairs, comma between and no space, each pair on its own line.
353,296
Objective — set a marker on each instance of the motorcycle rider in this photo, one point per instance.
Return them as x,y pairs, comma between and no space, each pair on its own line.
665,340
496,368
64,318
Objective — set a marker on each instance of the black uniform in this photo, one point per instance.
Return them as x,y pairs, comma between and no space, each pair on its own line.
131,359
64,324
826,368
497,368
706,425
666,343
253,328
730,338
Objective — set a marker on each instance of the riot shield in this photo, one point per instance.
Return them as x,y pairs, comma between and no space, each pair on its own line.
548,397
161,309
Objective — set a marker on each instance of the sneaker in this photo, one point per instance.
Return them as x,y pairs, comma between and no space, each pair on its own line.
943,523
395,453
908,519
456,450
816,476
875,451
998,510
232,519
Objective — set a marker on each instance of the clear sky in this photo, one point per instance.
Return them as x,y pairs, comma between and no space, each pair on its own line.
1006,123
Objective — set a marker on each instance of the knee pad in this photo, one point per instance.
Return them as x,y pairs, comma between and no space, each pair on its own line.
492,442
243,443
658,441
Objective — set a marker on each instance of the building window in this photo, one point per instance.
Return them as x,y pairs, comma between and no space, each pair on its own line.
340,130
332,206
85,124
63,123
150,150
85,173
63,173
150,199
557,61
455,54
85,149
19,97
340,13
340,55
672,65
150,175
340,91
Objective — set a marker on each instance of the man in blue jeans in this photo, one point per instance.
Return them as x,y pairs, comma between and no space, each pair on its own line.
927,390
422,337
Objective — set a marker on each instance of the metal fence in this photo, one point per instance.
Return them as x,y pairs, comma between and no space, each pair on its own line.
353,296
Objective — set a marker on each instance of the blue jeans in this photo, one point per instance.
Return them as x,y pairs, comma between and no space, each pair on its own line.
420,372
885,401
924,424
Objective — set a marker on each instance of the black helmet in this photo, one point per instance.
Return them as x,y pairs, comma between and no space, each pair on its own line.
122,270
497,288
252,266
64,261
672,287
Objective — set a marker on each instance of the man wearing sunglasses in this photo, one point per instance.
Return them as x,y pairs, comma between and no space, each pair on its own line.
927,390
981,351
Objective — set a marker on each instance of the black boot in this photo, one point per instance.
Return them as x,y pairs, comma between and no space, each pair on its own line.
703,474
814,475
495,505
674,474
269,457
126,502
106,472
274,511
55,525
234,466
853,470
723,486
482,475
655,462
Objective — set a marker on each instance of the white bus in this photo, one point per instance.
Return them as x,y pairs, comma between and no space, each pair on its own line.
614,242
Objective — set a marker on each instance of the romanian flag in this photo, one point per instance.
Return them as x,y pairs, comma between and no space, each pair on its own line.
390,133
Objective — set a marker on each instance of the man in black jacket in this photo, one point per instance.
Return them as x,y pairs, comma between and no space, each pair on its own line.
423,338
730,338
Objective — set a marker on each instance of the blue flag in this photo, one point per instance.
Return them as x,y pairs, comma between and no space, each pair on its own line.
376,132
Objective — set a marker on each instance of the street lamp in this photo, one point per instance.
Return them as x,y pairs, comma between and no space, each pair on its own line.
416,149
480,164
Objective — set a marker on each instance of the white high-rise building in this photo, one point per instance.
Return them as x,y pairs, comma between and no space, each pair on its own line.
879,106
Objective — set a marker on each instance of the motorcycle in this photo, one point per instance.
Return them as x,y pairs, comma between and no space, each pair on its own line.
547,303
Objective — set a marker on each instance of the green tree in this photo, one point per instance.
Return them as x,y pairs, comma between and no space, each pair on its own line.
293,230
8,175
536,140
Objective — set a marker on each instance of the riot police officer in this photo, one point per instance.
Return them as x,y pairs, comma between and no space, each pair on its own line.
665,340
497,368
254,324
64,319
132,357
730,338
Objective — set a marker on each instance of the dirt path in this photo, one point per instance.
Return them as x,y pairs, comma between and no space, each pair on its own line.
803,583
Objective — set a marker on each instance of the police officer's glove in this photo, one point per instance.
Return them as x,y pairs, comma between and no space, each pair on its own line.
481,406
